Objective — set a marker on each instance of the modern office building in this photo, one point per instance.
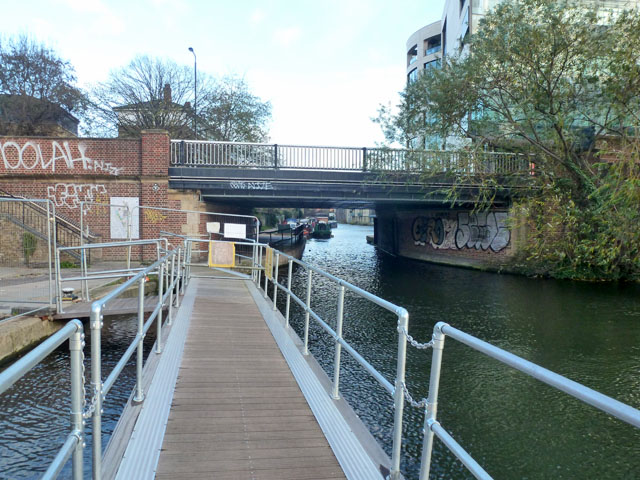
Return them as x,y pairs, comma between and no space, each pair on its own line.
423,50
461,18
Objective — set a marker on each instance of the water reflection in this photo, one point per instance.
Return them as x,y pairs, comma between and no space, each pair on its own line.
514,426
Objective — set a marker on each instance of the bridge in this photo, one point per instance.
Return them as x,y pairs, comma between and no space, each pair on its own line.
270,175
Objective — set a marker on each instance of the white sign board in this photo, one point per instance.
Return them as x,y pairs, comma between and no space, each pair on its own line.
235,230
213,227
119,217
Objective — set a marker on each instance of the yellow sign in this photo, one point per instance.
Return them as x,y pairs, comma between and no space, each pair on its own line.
268,263
222,254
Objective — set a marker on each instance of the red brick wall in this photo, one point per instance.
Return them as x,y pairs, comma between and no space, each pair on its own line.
70,170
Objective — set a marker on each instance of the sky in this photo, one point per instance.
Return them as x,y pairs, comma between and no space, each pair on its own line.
325,66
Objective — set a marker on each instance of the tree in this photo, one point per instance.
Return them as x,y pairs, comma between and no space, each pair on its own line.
147,93
156,93
233,114
560,81
37,86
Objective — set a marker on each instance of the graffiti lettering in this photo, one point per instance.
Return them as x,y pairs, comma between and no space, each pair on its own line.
251,185
481,231
153,216
29,156
70,194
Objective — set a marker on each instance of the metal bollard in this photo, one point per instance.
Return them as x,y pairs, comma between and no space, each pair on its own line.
338,351
305,351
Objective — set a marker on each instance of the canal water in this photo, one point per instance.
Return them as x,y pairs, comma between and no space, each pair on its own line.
34,413
514,426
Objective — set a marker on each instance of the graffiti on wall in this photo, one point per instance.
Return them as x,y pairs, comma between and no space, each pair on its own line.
71,194
29,156
482,231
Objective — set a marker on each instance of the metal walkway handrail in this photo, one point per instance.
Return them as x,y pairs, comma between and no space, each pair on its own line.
169,269
399,391
74,443
100,389
433,428
395,390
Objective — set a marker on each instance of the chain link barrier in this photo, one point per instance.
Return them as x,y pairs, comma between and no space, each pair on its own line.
422,404
413,342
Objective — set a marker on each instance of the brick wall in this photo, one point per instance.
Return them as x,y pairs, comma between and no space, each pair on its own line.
70,170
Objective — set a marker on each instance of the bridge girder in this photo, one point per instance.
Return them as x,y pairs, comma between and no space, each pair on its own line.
253,187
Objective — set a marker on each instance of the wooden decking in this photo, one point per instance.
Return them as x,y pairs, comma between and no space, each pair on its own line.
237,411
117,306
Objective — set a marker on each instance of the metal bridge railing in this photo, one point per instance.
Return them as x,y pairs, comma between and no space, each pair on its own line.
74,442
198,153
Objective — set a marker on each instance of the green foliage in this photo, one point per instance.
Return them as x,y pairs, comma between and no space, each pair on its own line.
29,244
67,264
550,79
593,241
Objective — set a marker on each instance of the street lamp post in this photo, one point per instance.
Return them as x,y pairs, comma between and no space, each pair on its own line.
195,94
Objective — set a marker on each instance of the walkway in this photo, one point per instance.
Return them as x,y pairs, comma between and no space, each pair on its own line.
237,411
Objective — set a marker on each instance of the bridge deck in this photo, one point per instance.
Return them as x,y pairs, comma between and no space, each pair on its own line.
237,411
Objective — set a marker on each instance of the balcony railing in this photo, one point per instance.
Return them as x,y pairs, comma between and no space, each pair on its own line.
434,49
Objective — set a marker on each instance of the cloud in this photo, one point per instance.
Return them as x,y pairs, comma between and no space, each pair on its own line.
286,36
332,108
257,16
103,19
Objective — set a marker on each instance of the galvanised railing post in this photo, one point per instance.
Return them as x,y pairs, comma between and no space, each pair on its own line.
290,271
139,396
275,155
364,159
266,276
76,344
338,347
178,277
305,351
398,394
259,264
275,281
96,383
432,400
171,287
160,304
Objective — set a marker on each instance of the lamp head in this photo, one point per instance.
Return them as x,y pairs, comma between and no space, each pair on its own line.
191,49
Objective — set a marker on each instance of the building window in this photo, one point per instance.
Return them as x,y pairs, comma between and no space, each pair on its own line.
433,64
413,76
444,39
432,45
464,28
412,55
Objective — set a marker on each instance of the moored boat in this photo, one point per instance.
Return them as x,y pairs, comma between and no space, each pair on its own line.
322,230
